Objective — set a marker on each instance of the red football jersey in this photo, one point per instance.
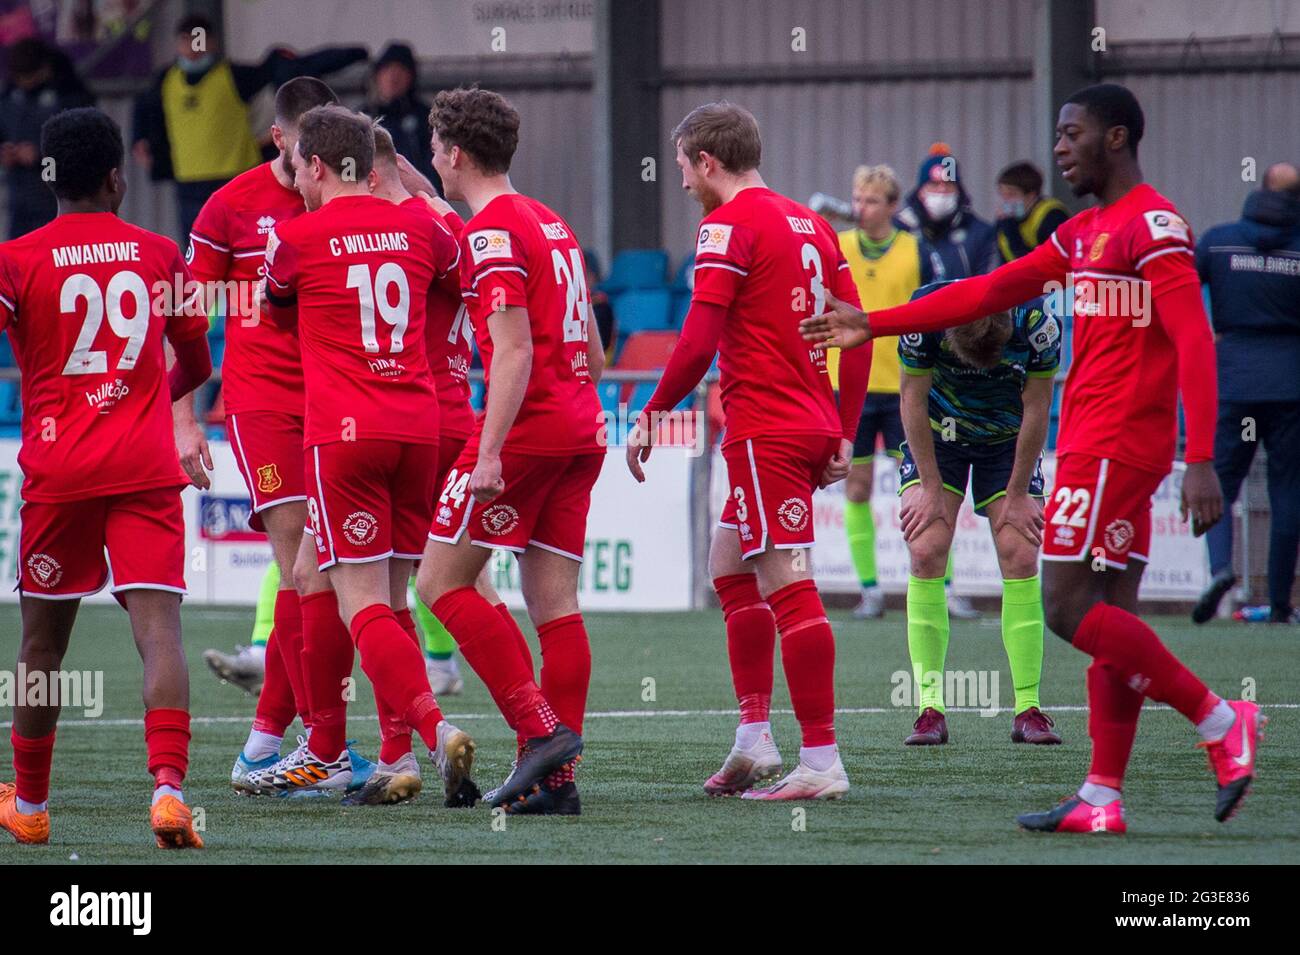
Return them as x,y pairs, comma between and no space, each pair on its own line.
769,260
1121,393
262,367
517,252
359,269
449,341
86,301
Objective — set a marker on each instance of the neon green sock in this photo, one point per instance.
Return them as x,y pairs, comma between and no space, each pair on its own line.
860,525
438,642
1022,635
927,637
265,618
947,572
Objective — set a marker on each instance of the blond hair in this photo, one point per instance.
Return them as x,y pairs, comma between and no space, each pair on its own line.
882,177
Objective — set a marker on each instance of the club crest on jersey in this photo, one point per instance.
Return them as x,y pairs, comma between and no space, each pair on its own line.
45,570
1119,535
500,519
272,243
268,479
1166,225
489,244
714,238
793,514
360,528
1098,246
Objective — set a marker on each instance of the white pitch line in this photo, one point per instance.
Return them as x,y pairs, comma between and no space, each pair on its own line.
629,714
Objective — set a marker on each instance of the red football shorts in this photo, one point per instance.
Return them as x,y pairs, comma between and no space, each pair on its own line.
544,505
369,499
1099,508
771,482
268,453
61,550
450,447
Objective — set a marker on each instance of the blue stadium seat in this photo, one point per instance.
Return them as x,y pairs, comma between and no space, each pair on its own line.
684,277
6,353
11,409
645,390
477,394
639,310
637,269
609,393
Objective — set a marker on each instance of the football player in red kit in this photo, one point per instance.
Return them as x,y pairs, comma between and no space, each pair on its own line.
262,388
1141,340
763,263
524,479
354,273
448,349
87,301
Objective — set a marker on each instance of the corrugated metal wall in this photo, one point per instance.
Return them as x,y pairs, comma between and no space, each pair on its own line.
554,161
814,134
1200,128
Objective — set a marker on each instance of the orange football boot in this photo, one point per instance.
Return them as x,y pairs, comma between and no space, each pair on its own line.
31,828
173,826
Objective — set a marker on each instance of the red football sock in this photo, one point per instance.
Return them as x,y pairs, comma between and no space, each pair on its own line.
396,669
32,758
1128,646
1113,711
327,655
394,733
275,704
521,642
808,656
492,650
751,643
566,668
167,740
288,636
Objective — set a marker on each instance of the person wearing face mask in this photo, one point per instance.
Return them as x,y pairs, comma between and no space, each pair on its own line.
954,243
1026,217
192,125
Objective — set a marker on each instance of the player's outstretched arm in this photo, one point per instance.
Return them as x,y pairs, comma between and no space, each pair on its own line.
954,304
1022,512
512,365
688,363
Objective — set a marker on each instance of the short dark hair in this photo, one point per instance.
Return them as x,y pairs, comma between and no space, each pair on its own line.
85,145
481,122
300,94
1113,105
1023,176
385,148
724,130
337,134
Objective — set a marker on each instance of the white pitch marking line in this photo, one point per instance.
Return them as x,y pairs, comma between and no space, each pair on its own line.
633,714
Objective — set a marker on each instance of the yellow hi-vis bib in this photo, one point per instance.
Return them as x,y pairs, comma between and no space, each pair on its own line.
207,124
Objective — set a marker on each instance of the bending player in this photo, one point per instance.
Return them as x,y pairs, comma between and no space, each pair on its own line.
353,273
98,455
262,385
1141,340
785,438
976,402
523,481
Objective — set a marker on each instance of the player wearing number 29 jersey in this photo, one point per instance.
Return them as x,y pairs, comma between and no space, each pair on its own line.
77,297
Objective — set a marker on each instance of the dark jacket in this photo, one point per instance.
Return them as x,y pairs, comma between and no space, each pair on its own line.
1252,268
955,248
22,114
279,66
